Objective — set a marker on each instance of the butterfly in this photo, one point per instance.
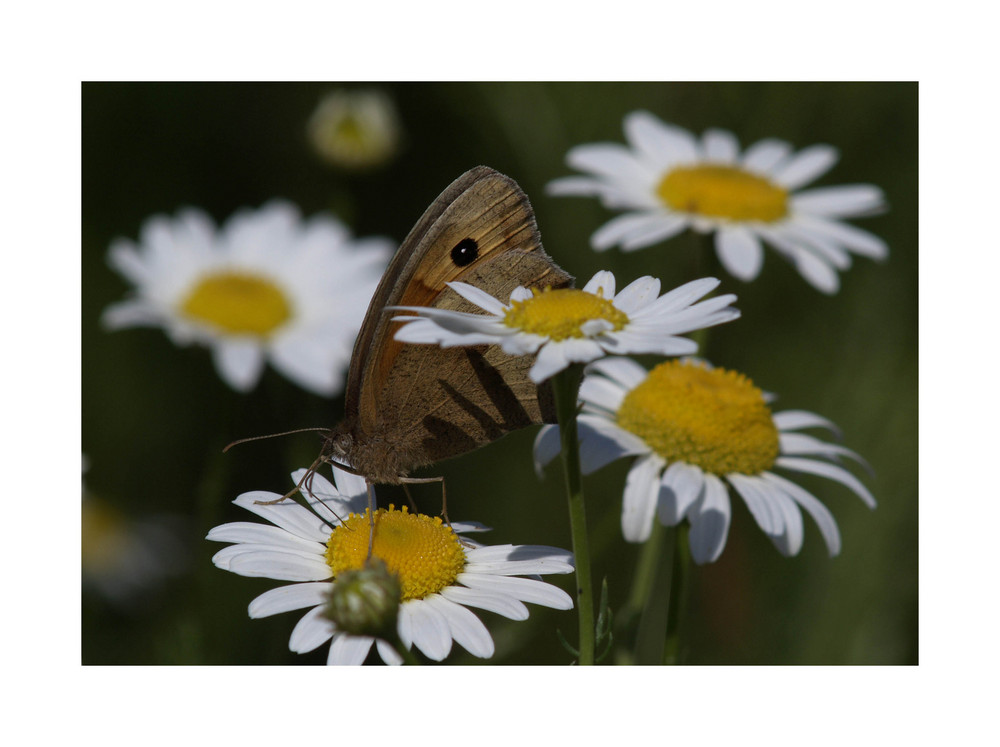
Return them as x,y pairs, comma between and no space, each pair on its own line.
409,406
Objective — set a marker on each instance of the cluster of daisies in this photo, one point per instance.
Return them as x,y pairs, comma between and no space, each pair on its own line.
270,286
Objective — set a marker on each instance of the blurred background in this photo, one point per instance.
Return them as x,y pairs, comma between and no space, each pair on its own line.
156,417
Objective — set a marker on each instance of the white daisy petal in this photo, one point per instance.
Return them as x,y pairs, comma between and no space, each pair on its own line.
548,445
492,601
299,359
479,297
509,560
612,161
790,540
602,442
261,534
311,632
428,627
720,146
240,362
653,232
576,186
767,515
134,313
124,257
389,655
684,295
854,239
551,360
602,393
832,471
740,252
800,444
659,143
793,420
765,155
839,202
287,514
816,271
263,562
524,589
639,501
625,372
466,629
806,166
821,515
349,650
288,598
826,249
680,488
710,522
621,227
602,284
637,294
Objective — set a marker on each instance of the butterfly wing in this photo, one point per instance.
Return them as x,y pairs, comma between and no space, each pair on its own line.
427,403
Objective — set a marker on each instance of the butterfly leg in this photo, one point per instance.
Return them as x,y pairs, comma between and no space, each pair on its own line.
306,481
371,516
409,497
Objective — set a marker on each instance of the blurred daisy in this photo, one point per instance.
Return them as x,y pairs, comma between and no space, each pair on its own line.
696,429
440,574
267,285
355,128
668,181
125,559
568,325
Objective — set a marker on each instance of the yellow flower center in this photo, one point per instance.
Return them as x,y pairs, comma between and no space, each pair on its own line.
238,303
561,313
105,537
714,419
723,192
421,551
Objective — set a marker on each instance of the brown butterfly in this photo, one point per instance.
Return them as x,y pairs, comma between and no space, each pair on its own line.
408,406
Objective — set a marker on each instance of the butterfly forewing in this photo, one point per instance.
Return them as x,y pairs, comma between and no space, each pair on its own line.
437,402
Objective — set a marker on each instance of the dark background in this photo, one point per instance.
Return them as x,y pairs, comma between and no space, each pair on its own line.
155,417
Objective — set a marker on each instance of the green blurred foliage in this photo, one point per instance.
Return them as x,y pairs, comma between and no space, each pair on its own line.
155,417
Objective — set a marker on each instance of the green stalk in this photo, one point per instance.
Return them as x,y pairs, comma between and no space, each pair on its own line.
565,387
679,578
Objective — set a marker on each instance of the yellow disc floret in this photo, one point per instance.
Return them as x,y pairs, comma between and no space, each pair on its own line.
723,192
714,419
561,313
238,303
421,551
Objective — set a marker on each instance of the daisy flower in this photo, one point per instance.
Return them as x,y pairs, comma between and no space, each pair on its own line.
266,285
668,180
699,431
440,574
355,128
568,325
123,558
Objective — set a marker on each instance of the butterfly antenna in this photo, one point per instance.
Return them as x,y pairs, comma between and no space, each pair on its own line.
271,435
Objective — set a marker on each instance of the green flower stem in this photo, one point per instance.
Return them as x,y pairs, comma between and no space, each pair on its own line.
566,386
631,618
679,578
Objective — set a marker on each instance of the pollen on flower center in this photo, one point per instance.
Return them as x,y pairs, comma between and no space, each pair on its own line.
421,551
562,313
723,192
714,419
238,303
